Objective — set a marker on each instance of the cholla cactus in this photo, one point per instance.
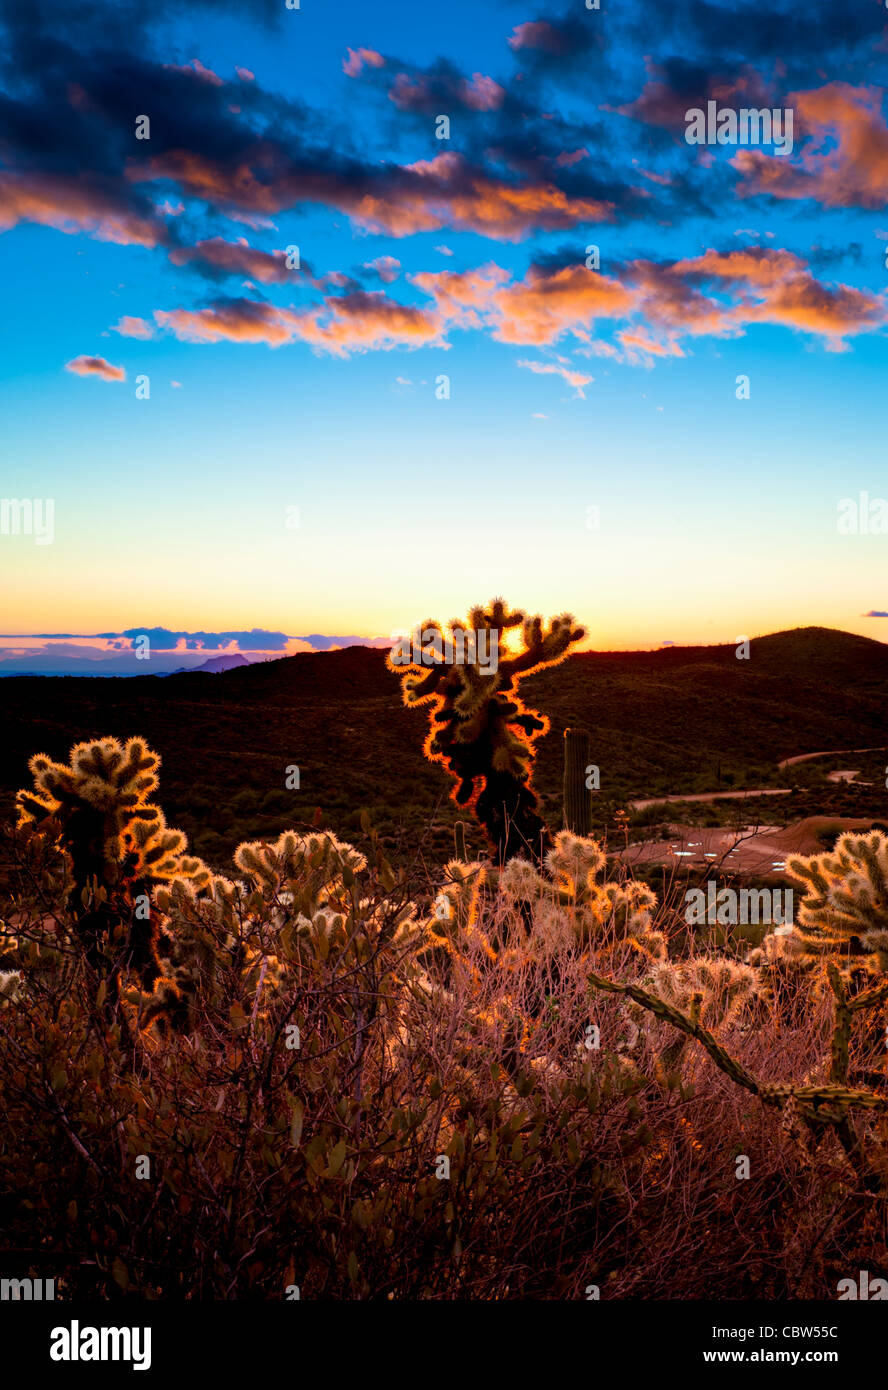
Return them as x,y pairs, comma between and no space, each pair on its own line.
817,1104
722,986
784,973
844,916
322,866
713,991
97,809
543,908
480,729
10,987
838,947
200,931
626,908
299,906
573,861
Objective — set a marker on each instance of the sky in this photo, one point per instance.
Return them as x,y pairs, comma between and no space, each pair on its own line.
332,319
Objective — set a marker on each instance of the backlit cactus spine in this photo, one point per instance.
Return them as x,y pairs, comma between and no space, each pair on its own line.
479,727
96,808
844,914
577,797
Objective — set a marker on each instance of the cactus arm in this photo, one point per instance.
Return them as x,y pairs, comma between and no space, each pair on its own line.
729,1065
837,1099
838,1067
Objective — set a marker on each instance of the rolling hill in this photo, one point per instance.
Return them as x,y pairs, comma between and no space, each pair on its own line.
689,719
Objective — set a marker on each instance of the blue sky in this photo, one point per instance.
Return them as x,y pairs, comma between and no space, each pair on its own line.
316,391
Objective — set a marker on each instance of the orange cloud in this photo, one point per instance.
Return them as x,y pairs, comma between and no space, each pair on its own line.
358,58
778,287
95,366
832,311
71,204
482,93
757,265
539,35
213,181
463,298
196,69
360,321
639,349
568,157
479,93
663,303
235,321
548,304
654,306
355,322
442,192
388,268
573,378
130,327
538,310
268,268
844,161
668,303
446,191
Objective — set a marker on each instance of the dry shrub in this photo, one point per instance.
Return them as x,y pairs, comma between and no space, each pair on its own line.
464,1115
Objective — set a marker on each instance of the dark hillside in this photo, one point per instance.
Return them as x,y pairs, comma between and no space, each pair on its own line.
681,719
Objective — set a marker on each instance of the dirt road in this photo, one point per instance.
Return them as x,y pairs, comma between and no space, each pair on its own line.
709,796
828,753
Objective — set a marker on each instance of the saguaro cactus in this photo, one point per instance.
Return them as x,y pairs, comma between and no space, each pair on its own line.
577,798
459,842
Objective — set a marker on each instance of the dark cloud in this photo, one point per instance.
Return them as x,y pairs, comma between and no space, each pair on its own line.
781,31
822,257
521,160
575,44
125,23
515,165
677,84
440,88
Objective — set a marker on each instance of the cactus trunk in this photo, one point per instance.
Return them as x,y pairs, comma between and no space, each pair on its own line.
577,797
459,842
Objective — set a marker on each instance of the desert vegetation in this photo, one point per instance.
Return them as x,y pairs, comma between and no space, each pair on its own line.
327,1074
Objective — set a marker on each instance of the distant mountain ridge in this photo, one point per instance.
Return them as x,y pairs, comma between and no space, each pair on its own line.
226,662
79,658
